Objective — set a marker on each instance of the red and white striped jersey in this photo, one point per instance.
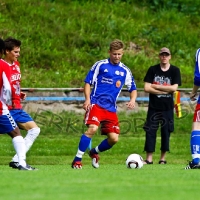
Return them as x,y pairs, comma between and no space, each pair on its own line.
15,85
5,88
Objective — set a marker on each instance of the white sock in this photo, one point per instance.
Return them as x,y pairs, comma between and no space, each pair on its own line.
20,148
79,154
32,134
97,149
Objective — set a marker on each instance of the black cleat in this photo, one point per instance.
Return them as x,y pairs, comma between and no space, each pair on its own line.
27,167
14,165
192,166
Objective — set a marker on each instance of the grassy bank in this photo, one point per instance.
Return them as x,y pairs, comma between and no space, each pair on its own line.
62,39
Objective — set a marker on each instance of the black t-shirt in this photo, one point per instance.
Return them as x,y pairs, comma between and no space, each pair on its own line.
156,76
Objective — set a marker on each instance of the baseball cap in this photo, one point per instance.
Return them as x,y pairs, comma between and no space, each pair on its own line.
165,50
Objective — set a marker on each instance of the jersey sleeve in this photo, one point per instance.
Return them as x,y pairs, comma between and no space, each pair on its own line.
7,92
92,74
197,69
129,82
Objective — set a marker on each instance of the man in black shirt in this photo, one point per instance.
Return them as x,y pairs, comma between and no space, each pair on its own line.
161,81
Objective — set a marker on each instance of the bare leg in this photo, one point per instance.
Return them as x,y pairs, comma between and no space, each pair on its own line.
162,157
149,156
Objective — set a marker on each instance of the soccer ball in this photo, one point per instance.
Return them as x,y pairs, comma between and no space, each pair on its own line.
134,161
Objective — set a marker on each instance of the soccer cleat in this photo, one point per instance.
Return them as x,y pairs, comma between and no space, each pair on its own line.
192,166
95,159
27,167
32,168
76,165
14,165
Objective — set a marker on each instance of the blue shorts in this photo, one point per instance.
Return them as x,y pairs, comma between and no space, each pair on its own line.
20,116
7,123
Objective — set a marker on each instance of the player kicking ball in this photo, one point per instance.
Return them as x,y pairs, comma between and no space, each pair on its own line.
107,78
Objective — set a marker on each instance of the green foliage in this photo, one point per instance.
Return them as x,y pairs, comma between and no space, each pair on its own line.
61,40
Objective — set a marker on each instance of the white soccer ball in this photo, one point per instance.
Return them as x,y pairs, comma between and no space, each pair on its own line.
134,161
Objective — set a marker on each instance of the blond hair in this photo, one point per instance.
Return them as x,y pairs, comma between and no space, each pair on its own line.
116,45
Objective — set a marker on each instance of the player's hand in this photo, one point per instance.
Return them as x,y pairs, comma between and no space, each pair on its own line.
22,95
193,96
86,105
130,105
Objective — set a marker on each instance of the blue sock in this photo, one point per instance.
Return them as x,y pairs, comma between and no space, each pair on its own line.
90,145
104,146
83,145
195,146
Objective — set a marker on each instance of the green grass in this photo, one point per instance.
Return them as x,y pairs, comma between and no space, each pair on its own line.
60,42
111,181
55,148
62,39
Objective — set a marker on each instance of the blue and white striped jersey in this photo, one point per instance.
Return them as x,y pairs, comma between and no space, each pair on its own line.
197,71
108,80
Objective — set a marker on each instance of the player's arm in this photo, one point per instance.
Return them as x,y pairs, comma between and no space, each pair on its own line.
196,77
194,92
131,103
7,93
165,88
22,95
87,103
148,88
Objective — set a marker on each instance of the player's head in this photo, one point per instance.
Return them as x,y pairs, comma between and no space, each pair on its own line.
12,49
2,47
164,55
116,51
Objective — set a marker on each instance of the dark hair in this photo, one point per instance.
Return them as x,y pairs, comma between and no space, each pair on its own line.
2,45
11,43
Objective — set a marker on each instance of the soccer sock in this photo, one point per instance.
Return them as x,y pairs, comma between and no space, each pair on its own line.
195,147
20,148
83,145
32,134
102,147
90,145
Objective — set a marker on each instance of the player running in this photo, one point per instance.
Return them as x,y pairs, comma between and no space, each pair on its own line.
23,120
7,123
195,134
108,78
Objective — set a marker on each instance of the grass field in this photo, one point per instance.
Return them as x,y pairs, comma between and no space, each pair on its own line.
53,153
65,38
111,181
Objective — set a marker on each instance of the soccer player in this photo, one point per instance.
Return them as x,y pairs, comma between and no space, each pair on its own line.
107,77
161,81
23,120
195,134
7,123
